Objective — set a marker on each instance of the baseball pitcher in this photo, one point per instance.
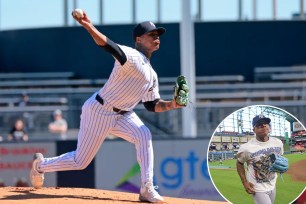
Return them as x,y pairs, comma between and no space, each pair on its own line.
110,110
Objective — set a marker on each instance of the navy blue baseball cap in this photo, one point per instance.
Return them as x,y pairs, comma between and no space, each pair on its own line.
145,27
260,119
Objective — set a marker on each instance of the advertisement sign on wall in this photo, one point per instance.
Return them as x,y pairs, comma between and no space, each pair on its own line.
180,168
226,139
235,139
297,126
16,161
216,139
243,139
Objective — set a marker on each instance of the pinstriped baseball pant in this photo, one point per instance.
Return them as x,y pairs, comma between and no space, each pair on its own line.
97,122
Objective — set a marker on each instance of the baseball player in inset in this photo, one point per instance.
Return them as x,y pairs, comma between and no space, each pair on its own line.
260,181
110,110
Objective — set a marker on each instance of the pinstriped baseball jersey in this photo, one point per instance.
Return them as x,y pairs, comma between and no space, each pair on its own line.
141,84
110,110
127,85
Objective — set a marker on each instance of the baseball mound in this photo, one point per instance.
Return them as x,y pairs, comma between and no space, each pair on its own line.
297,171
12,195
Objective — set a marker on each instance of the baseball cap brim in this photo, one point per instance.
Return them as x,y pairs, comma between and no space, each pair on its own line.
160,31
146,27
263,120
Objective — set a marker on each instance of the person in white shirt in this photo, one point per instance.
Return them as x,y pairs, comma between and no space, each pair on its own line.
59,126
259,181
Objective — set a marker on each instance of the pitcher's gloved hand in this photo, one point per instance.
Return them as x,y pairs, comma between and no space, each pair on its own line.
279,163
181,91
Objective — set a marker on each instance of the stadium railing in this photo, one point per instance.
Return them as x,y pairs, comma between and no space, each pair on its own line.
36,75
13,101
51,83
289,73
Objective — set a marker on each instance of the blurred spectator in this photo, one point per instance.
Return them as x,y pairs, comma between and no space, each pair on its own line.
28,117
24,100
18,132
212,147
236,145
220,160
224,146
59,126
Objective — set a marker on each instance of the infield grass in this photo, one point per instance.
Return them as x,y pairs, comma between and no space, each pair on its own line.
228,183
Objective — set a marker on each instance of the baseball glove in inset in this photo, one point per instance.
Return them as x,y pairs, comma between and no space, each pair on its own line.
181,91
279,163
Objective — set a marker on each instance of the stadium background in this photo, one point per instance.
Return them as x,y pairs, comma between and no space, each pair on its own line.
237,64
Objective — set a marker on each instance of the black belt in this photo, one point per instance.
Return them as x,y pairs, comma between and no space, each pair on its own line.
100,100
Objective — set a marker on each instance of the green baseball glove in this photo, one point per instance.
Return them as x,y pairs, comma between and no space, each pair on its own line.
181,91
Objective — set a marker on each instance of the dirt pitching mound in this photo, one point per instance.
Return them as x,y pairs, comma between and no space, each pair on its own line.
15,195
297,170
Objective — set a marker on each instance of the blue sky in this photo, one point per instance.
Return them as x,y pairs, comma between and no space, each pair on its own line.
19,14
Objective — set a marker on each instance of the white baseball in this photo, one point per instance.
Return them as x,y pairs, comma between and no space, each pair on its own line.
78,13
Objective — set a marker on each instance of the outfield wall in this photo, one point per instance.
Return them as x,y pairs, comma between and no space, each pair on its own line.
180,167
16,161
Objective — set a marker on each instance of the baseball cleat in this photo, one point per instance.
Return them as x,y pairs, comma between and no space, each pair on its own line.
149,194
36,177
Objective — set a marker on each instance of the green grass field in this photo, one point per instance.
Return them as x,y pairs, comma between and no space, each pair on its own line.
228,183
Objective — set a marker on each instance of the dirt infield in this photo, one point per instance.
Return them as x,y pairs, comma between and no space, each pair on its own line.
297,171
15,195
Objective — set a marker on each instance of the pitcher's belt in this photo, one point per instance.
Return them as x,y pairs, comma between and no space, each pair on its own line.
117,110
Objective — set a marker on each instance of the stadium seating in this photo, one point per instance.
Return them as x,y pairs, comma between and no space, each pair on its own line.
35,75
291,73
216,97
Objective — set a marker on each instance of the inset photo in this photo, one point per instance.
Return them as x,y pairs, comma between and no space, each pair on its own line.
257,154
